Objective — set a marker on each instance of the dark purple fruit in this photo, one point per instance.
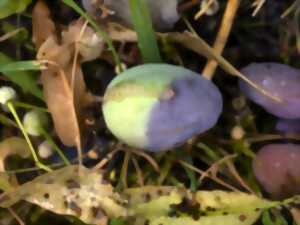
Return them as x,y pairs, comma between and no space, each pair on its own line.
277,168
279,80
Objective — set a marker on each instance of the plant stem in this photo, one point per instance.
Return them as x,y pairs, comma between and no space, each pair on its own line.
54,145
21,127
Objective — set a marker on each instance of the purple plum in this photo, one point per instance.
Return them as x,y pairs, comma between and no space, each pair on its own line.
286,125
277,169
279,80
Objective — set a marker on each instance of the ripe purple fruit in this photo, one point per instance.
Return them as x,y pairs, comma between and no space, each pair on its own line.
286,125
277,169
279,80
159,106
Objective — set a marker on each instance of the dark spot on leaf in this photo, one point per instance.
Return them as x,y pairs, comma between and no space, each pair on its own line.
147,197
225,213
73,206
189,207
159,192
147,222
242,218
46,196
212,209
97,212
172,213
71,184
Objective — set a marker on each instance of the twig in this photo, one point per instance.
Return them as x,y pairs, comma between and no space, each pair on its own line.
148,158
216,179
10,34
14,214
257,4
124,170
139,172
106,159
222,36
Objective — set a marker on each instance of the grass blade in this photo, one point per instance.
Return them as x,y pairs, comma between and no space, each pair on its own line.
15,71
143,26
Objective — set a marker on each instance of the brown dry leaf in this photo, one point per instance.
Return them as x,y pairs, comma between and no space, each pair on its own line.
42,25
13,146
63,84
85,195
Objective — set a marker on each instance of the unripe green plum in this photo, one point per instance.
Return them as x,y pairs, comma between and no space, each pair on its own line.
159,106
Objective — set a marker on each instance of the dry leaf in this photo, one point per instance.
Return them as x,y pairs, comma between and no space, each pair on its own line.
65,191
63,84
176,206
13,146
42,25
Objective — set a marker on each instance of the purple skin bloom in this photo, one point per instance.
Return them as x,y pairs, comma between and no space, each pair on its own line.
277,169
291,126
279,80
195,107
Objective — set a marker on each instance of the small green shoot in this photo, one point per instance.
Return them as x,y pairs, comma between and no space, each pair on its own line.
15,72
143,26
21,127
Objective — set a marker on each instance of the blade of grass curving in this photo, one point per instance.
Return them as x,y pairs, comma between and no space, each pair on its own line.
21,66
143,26
12,70
99,32
21,127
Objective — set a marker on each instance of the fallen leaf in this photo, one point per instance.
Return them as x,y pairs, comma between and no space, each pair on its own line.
13,146
63,83
42,25
72,190
171,205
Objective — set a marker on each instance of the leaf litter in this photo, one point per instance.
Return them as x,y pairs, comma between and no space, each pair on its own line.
84,193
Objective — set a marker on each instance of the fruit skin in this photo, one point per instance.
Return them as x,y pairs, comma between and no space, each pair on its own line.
276,167
289,126
159,106
279,80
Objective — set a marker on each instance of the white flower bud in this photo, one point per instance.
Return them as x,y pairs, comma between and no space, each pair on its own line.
33,121
45,150
7,94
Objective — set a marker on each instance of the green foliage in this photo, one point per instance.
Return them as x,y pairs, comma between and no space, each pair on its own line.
15,71
10,7
143,26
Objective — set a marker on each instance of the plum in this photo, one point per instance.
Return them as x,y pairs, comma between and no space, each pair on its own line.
286,125
159,106
163,12
277,169
279,80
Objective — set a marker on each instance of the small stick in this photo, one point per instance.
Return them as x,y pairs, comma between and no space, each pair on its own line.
106,159
14,214
222,36
21,127
216,179
10,34
148,158
139,172
124,170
